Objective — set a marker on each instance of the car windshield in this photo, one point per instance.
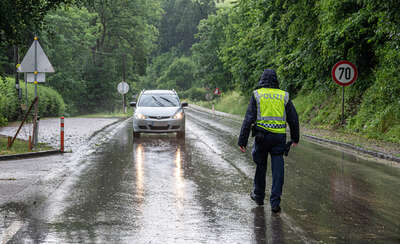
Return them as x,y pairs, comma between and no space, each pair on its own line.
158,100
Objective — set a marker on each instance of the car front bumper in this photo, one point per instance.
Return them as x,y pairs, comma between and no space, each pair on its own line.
158,126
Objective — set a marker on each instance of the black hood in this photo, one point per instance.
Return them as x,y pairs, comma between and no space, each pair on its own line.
268,79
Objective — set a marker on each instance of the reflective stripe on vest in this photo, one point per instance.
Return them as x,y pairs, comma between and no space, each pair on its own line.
276,126
271,114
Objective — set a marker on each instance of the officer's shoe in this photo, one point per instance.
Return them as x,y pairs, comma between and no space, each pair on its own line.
276,209
254,198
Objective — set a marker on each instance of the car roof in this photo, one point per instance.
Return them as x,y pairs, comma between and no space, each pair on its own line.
171,92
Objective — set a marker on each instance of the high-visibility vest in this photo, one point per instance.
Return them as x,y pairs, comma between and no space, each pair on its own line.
271,114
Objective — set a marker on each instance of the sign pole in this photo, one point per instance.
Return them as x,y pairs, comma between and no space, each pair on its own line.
26,90
35,122
124,103
35,72
16,61
344,73
342,105
123,78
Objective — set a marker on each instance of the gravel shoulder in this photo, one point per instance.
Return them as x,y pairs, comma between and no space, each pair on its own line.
28,181
76,130
366,143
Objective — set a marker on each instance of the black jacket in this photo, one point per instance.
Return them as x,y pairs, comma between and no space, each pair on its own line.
268,80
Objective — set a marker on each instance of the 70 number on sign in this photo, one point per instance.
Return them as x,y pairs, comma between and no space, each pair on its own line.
346,71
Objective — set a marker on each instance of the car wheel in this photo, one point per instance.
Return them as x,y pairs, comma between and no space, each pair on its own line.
180,134
136,134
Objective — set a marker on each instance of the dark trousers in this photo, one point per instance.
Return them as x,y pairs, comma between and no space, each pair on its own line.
273,144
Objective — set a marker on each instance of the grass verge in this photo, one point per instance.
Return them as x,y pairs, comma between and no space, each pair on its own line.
231,102
19,147
118,114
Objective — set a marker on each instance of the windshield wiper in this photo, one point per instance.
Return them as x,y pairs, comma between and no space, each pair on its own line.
158,102
166,99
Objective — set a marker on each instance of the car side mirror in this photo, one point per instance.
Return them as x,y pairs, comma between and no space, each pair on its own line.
184,104
132,104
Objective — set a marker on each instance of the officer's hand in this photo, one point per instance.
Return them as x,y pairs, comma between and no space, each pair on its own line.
243,149
294,144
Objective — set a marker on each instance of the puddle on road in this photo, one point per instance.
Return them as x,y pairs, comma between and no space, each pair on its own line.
341,198
11,220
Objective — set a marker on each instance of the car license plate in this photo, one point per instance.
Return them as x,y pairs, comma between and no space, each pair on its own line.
159,123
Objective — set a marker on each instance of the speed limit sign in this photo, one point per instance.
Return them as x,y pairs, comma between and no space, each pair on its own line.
344,73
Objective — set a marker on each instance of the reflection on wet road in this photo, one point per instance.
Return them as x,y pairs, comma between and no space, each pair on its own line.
158,189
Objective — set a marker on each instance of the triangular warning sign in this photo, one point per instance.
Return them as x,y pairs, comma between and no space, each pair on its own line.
28,63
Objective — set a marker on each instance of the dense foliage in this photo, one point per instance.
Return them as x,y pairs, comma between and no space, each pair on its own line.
179,23
50,102
88,45
302,40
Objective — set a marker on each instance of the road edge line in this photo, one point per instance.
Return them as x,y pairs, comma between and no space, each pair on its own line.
30,155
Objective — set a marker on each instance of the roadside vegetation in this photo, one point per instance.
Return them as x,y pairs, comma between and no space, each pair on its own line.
231,102
20,146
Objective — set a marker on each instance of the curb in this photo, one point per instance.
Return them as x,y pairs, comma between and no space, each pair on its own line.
105,127
30,155
313,138
356,148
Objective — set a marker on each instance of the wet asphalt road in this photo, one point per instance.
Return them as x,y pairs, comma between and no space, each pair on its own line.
158,189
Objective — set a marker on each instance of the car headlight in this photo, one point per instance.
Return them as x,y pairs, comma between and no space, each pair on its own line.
139,116
178,115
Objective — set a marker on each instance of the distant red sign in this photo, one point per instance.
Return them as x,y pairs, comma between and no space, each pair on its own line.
344,73
217,91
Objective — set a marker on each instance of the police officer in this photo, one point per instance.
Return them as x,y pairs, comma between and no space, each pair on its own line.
269,110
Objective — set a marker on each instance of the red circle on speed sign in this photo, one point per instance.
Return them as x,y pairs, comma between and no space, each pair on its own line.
344,73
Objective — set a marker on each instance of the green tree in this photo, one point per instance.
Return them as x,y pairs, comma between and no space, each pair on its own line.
87,45
210,71
179,23
157,69
68,35
179,75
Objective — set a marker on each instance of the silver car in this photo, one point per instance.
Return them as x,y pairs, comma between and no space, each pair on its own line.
158,111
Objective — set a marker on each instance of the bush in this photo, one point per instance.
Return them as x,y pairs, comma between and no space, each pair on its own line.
8,101
50,101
